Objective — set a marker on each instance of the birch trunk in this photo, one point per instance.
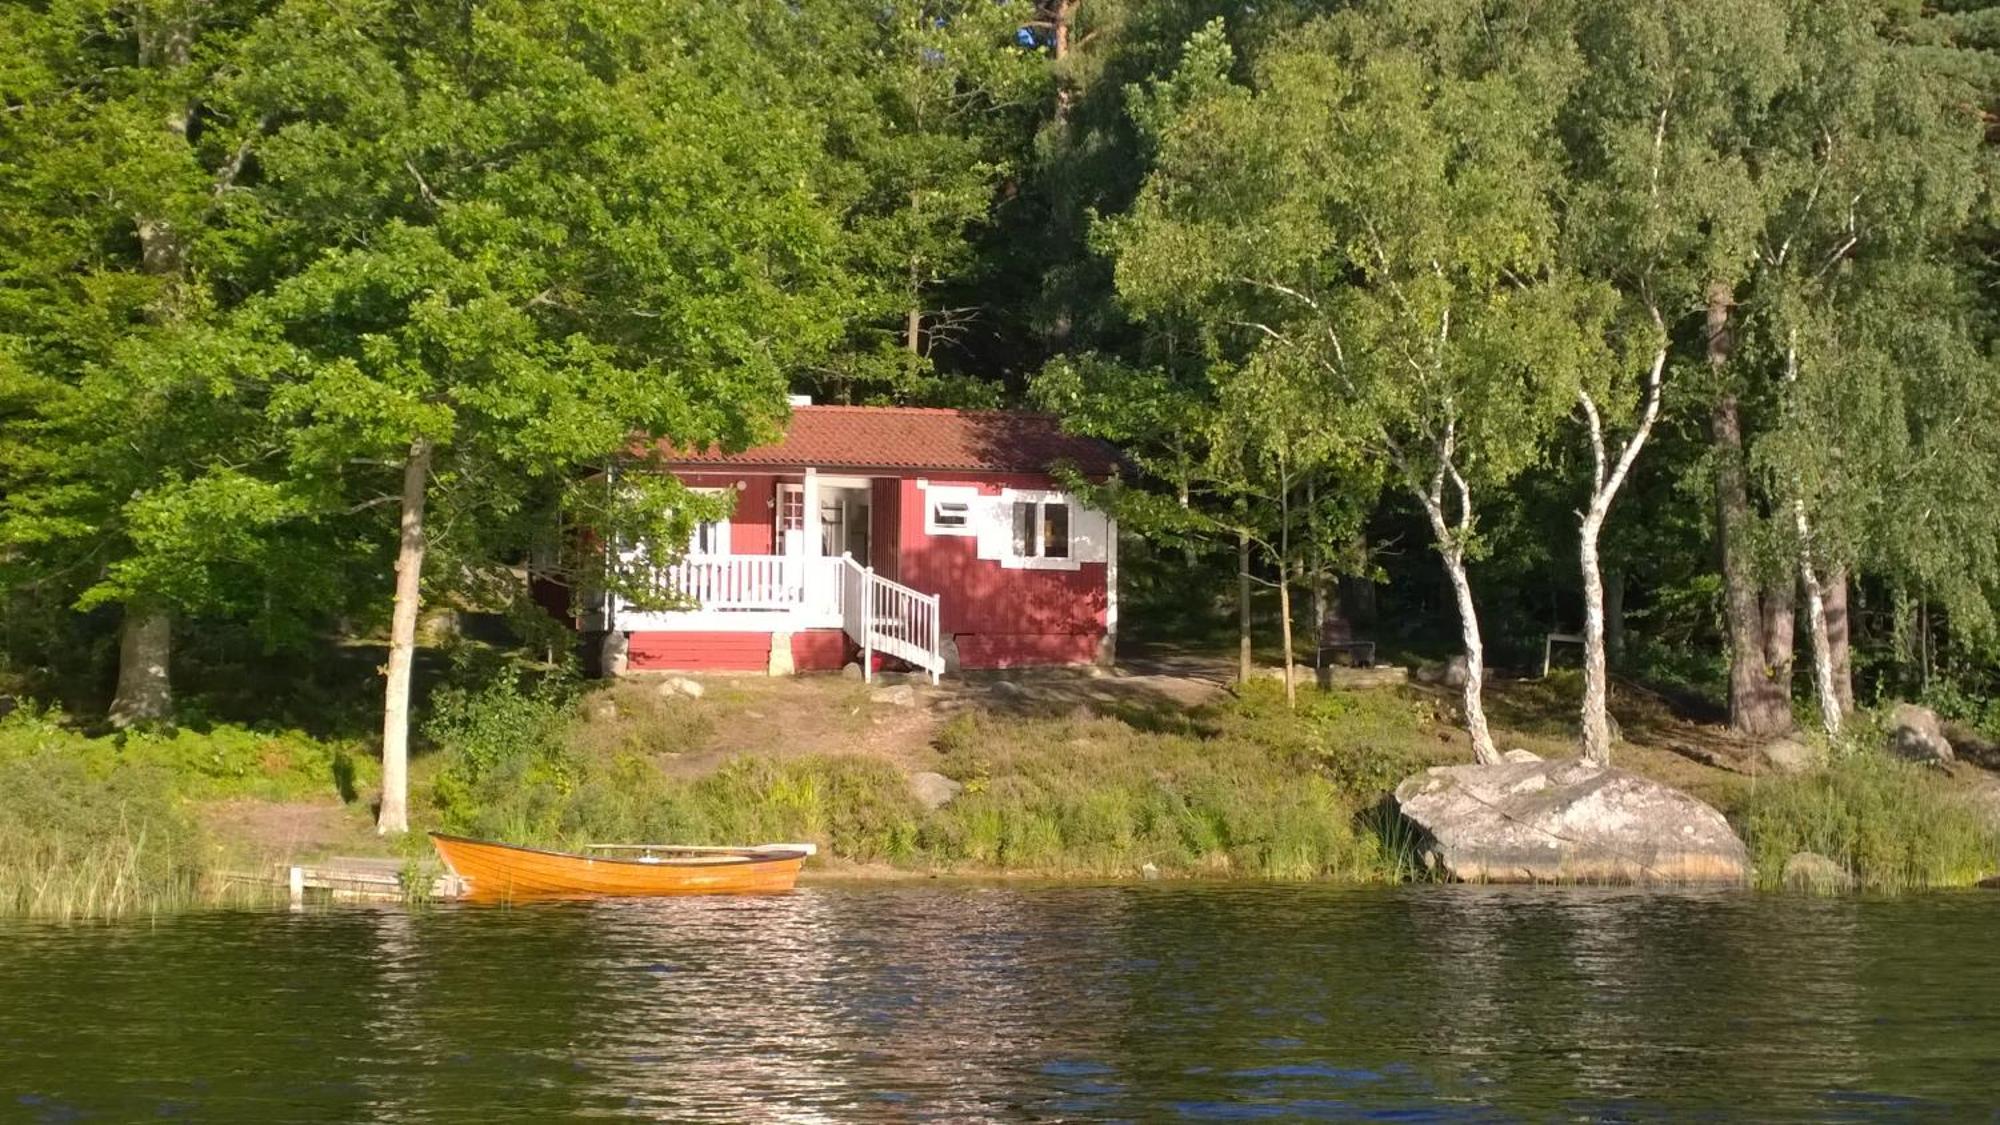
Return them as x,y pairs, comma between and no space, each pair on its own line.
1242,607
145,647
394,817
1596,725
1822,650
1606,478
1472,698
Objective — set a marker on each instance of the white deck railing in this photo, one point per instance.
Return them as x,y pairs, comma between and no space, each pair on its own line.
882,615
752,583
879,614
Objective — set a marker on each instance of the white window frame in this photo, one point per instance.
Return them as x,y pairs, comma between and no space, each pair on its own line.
966,496
1039,496
720,534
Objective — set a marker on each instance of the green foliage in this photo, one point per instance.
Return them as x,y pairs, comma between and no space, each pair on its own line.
1894,825
221,761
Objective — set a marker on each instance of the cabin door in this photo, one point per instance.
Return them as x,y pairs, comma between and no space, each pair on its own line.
842,524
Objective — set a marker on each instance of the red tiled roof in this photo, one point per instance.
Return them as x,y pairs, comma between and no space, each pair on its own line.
902,437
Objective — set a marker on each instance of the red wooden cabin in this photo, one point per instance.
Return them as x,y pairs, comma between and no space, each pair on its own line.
939,538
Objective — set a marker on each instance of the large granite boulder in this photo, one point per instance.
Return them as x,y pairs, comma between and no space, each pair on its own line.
1915,733
1566,821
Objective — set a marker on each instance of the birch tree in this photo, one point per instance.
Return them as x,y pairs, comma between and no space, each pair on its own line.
1375,213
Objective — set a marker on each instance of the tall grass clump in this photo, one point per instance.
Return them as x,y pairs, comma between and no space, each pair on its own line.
1094,796
77,844
513,769
1894,825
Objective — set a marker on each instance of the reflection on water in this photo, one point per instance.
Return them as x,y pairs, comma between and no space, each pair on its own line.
952,1002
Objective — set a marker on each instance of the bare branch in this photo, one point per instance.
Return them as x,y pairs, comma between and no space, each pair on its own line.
423,188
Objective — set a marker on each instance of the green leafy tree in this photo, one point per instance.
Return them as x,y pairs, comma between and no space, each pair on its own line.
534,233
139,466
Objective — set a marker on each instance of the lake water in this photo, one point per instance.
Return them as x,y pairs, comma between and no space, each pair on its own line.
936,1001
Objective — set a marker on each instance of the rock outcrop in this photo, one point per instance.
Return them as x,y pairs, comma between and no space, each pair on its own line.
1566,821
1786,756
1915,733
934,790
1810,871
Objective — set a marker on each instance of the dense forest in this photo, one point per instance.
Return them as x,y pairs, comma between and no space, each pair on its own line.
1665,322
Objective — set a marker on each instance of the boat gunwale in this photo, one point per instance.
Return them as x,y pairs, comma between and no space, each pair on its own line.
735,858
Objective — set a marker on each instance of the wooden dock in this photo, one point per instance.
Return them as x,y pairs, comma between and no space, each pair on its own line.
354,879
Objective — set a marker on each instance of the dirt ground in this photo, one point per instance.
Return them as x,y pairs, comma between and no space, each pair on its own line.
251,834
833,714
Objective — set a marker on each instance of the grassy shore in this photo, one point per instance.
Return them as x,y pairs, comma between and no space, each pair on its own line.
1059,776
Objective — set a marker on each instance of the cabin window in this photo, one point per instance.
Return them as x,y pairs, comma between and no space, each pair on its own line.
948,510
1041,529
791,508
710,537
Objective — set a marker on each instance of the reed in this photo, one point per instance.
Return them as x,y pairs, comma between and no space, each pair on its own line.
1893,825
74,845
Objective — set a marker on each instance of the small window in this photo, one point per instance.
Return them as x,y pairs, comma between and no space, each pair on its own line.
951,514
948,510
1041,529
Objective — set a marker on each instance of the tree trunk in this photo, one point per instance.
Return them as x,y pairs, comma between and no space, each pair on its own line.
1472,697
1780,608
1757,703
1607,477
1756,706
1316,564
146,636
1242,606
1614,617
1838,633
913,320
394,816
1061,15
1596,725
1285,584
145,647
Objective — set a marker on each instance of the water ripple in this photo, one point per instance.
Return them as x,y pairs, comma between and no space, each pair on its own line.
956,1002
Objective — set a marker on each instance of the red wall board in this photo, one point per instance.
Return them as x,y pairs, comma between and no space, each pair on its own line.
819,650
699,652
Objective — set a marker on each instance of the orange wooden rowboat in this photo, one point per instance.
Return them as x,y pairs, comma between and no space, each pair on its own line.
495,872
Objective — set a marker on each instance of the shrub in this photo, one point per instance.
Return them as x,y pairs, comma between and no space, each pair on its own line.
74,843
1893,824
1097,797
222,761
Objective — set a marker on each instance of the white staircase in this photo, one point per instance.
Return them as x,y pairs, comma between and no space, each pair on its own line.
885,616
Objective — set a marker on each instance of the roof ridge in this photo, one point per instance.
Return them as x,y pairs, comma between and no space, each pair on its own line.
963,412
